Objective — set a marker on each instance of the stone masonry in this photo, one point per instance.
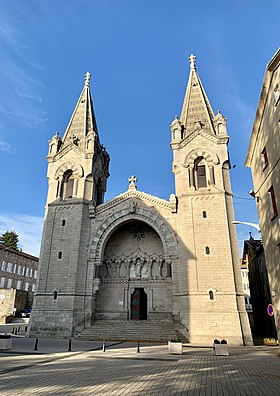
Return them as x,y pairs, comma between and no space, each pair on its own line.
138,257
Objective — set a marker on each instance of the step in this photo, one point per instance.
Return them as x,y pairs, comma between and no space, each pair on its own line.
128,330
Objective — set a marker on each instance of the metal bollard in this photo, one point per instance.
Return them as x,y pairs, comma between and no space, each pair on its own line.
104,346
138,347
36,345
70,346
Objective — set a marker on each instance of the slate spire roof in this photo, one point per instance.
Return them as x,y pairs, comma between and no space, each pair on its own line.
196,110
83,122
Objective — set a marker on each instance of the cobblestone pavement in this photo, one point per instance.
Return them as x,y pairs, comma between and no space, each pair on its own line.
87,370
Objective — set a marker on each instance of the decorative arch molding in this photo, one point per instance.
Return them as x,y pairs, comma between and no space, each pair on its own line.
154,220
206,154
75,168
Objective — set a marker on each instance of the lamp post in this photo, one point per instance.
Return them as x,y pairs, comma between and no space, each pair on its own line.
254,225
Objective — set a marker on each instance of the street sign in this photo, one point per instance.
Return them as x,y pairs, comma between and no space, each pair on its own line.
270,309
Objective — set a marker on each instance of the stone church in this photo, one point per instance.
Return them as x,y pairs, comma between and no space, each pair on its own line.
139,267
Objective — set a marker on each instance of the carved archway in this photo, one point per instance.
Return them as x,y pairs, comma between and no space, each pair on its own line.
75,168
196,153
153,219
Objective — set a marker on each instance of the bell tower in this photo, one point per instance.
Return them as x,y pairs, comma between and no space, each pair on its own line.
201,167
78,164
78,168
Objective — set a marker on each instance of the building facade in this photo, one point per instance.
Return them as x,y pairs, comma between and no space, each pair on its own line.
264,160
18,275
246,287
254,259
139,260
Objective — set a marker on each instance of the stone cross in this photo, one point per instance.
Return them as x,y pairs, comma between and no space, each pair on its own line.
87,78
132,180
192,60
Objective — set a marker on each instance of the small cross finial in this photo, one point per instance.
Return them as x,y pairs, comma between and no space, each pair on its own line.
192,60
132,180
87,78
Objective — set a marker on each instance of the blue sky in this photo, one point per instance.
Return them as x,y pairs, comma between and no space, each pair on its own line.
137,52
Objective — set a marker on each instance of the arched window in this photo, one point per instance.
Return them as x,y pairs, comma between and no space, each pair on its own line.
99,192
211,295
88,187
200,173
67,185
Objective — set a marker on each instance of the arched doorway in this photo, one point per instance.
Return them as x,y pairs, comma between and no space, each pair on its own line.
134,281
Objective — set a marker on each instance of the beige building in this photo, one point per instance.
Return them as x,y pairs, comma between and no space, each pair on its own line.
246,285
18,275
264,160
138,266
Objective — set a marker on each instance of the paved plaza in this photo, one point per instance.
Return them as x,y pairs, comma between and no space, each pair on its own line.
121,370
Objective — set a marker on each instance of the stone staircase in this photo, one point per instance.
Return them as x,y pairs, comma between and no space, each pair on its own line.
132,330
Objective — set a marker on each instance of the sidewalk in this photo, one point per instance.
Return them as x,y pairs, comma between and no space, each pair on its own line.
121,370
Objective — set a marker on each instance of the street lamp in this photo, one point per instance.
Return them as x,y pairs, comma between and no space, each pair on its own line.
254,225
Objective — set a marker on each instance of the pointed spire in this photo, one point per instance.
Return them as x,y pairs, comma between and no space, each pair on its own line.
82,125
196,112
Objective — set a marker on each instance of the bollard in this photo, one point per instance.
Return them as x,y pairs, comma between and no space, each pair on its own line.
36,345
104,346
70,345
138,347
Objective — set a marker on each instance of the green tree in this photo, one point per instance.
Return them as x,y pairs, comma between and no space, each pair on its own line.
10,239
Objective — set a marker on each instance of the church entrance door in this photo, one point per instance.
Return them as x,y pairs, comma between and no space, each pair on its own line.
139,304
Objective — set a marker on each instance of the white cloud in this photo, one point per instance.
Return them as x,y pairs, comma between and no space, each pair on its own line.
26,119
21,94
29,229
4,146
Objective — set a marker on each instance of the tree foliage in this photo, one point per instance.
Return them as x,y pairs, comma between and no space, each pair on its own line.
10,239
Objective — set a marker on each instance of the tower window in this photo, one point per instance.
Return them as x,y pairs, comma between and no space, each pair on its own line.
201,176
59,255
99,192
55,294
207,250
63,223
67,185
211,295
182,132
169,270
204,214
200,173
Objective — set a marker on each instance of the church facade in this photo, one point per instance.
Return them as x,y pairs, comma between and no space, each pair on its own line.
137,266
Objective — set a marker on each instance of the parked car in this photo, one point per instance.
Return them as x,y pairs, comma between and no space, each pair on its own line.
25,313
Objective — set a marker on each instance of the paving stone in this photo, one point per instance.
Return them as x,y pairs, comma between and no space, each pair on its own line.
122,371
